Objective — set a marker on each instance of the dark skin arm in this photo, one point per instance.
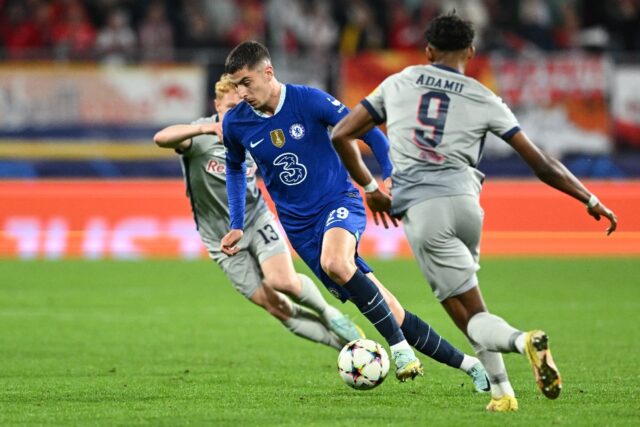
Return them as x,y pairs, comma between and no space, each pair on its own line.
356,123
553,173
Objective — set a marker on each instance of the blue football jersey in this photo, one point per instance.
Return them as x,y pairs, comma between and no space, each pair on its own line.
292,149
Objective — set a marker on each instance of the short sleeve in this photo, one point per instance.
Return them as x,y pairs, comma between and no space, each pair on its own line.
200,143
374,102
501,120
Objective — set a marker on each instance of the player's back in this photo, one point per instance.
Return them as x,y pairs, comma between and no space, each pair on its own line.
437,120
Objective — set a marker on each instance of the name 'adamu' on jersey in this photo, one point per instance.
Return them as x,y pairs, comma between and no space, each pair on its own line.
292,149
437,120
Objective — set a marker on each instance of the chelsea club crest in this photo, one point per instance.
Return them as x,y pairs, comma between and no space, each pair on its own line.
296,131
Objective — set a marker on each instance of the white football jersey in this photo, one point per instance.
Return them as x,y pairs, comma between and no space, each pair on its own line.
437,120
205,173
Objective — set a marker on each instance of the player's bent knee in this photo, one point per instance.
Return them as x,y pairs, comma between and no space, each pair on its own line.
289,284
274,305
338,269
277,311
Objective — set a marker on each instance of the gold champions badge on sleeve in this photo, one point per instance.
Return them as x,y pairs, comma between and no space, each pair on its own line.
277,137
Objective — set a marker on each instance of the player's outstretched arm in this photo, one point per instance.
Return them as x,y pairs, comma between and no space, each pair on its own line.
179,136
553,173
356,123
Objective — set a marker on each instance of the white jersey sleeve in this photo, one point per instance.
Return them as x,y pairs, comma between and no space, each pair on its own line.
375,101
500,119
200,144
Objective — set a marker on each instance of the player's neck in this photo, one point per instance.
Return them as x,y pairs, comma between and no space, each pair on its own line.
455,59
272,104
453,63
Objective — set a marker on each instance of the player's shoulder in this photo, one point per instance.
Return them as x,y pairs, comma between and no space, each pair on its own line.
311,97
241,110
203,120
304,92
409,75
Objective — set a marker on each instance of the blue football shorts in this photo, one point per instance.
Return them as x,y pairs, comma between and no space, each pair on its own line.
306,237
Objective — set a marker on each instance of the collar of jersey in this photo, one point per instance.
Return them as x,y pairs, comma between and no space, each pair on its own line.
283,94
446,68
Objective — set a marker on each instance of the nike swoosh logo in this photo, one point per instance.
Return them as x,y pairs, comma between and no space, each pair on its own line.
374,298
255,144
334,102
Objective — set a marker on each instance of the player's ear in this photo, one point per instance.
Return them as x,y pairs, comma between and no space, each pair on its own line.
471,52
430,51
268,71
216,104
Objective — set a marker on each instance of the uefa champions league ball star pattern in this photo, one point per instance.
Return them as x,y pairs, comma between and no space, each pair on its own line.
363,364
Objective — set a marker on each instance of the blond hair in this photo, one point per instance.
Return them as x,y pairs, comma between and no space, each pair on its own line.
224,86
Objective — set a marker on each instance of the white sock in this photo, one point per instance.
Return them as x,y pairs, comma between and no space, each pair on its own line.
496,371
468,362
402,345
492,332
520,343
506,389
308,325
310,296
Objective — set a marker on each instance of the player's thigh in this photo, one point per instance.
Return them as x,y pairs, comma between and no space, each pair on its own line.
264,238
308,246
267,244
445,259
242,270
279,273
338,244
468,224
344,224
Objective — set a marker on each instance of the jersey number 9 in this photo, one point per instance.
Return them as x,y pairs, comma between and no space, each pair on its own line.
432,115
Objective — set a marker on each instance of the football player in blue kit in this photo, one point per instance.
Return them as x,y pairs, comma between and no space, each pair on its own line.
285,129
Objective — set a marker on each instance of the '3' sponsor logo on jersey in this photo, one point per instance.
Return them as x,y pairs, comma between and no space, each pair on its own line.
293,172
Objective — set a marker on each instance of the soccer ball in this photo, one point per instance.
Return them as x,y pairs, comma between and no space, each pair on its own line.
363,364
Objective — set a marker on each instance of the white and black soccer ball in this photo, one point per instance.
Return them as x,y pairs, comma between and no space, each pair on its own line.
363,364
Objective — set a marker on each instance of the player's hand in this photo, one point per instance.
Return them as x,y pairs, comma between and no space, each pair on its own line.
601,210
380,205
388,184
228,244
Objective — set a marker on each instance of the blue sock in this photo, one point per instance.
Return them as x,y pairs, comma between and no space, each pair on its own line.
426,340
367,298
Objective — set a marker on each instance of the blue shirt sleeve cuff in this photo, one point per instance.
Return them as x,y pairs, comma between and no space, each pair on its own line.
508,134
376,117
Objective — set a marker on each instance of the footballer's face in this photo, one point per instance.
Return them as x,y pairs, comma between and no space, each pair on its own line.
226,103
254,85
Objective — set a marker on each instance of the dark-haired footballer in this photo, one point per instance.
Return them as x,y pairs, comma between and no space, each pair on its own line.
285,129
262,271
437,120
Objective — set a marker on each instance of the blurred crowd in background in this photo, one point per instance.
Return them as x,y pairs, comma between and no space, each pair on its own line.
122,31
570,70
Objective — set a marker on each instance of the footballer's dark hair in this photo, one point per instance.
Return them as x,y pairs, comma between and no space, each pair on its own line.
450,32
246,54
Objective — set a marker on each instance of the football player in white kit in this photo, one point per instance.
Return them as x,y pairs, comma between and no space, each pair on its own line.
262,271
437,120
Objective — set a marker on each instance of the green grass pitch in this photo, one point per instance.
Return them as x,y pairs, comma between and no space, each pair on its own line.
171,343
